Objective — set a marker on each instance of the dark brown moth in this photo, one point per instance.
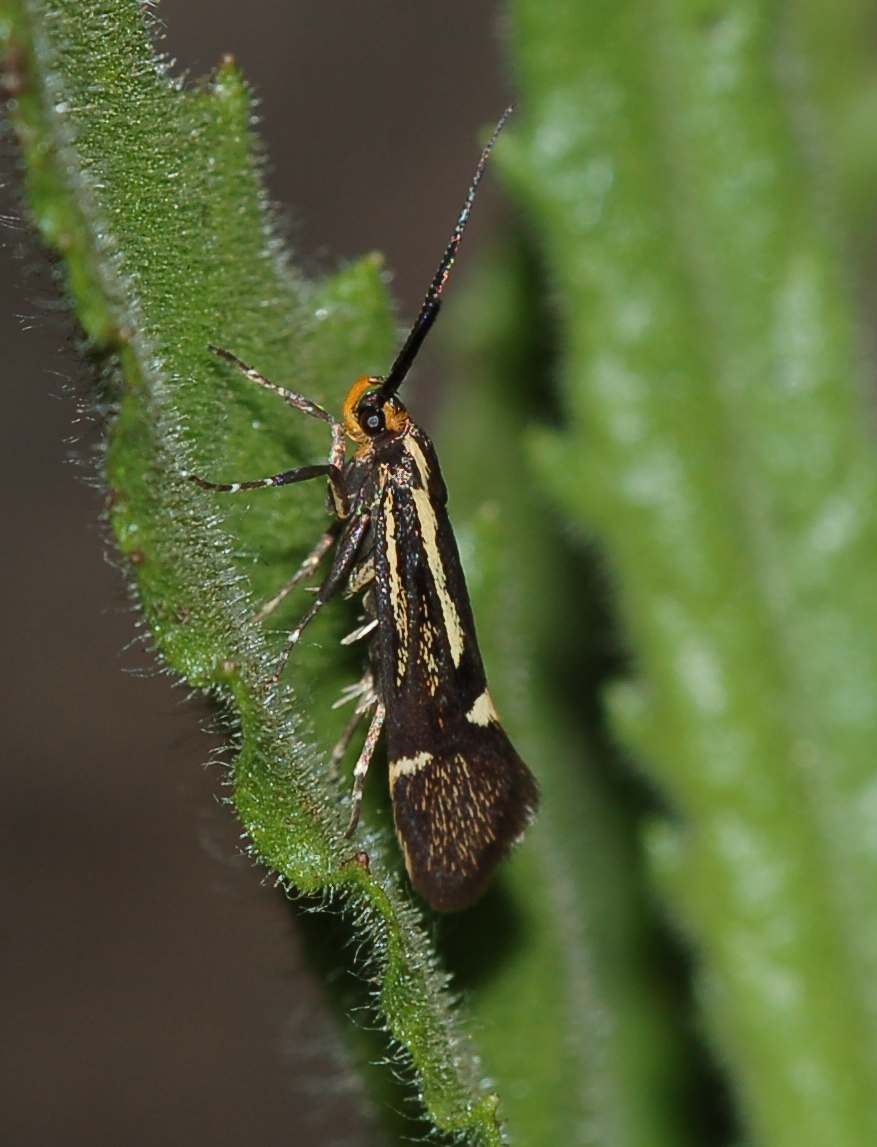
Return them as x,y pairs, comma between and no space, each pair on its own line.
461,795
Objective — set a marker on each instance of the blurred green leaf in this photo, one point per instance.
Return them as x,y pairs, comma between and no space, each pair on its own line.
590,1050
717,440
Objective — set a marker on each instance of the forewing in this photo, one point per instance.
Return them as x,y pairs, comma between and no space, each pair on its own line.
461,794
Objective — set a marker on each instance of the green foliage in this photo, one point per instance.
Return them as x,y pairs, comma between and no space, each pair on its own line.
597,1055
716,439
681,384
152,194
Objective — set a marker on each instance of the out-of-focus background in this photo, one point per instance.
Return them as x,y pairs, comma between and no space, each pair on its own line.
152,978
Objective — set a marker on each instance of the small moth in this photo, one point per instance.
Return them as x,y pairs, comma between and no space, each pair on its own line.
461,795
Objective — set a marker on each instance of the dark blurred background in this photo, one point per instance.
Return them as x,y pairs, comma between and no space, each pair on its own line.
152,978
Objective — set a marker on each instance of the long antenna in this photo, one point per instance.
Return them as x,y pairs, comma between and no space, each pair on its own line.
433,299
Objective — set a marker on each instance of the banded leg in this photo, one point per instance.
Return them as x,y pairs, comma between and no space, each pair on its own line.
306,568
362,764
285,478
305,405
364,691
345,557
343,743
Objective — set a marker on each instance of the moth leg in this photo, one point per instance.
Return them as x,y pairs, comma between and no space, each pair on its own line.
360,632
367,698
344,742
345,558
359,773
362,688
305,405
306,568
285,478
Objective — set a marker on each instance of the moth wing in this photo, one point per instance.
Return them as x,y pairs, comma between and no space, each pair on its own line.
461,794
457,814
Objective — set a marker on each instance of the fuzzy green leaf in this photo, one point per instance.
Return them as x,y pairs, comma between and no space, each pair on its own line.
152,194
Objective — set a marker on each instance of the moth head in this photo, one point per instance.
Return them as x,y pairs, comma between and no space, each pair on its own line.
369,412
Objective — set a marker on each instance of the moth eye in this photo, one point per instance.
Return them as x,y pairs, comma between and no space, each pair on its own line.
371,419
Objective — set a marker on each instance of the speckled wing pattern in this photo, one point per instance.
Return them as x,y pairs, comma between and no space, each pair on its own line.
461,794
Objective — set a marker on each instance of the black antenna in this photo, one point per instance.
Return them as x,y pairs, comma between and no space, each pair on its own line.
433,299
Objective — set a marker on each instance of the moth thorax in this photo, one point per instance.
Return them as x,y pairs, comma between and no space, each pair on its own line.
368,413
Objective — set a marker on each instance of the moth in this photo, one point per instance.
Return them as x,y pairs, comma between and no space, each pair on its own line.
461,795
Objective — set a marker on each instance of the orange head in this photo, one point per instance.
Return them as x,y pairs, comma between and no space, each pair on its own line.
368,412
